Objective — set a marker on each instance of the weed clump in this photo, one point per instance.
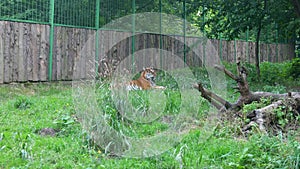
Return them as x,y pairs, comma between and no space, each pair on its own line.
23,103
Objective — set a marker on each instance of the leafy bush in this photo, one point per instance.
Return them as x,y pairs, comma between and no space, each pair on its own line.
272,74
275,89
22,103
294,70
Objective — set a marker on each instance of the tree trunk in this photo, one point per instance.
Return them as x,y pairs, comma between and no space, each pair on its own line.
296,4
257,51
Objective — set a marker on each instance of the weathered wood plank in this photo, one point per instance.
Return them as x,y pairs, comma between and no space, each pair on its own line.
65,57
43,67
79,68
58,53
251,51
27,52
20,54
33,67
7,54
14,49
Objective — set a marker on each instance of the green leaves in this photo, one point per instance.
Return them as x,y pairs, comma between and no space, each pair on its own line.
23,102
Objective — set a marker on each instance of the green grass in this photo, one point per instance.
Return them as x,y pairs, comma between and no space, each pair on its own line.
25,109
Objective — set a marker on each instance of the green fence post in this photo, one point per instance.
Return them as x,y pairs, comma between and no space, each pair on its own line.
97,37
51,20
184,33
203,43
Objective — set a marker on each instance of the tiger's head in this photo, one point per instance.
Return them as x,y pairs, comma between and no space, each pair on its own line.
149,74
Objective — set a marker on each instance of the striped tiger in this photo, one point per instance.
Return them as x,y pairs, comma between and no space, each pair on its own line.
145,81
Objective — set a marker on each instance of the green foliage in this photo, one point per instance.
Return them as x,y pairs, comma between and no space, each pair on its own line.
274,89
23,103
231,19
256,105
285,116
275,77
294,70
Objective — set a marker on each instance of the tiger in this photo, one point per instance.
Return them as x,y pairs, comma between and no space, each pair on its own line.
146,81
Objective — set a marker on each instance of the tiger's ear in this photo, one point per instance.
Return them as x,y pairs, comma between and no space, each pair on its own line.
144,68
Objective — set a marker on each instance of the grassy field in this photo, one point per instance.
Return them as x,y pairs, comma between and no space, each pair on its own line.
26,109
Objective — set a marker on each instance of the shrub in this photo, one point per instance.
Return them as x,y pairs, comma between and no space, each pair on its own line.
294,70
22,103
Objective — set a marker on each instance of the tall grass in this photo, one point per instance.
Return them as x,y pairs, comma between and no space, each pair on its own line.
26,109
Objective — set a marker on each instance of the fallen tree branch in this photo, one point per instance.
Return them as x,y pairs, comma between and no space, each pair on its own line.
258,116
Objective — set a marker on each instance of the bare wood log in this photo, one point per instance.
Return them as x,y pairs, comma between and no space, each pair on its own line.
227,72
215,100
260,115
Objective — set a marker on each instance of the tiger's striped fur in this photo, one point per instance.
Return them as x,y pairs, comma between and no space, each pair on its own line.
145,81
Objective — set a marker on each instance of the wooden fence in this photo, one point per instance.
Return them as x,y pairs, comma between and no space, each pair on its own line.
24,51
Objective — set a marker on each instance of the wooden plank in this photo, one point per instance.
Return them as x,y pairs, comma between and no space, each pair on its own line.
85,57
7,55
59,52
71,55
27,51
65,48
2,29
62,46
43,54
76,57
80,64
14,49
243,54
33,67
20,53
262,52
54,55
251,49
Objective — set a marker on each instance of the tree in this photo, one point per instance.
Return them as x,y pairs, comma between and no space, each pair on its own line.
232,18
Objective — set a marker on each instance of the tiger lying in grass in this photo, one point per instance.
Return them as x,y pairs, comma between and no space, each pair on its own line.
145,81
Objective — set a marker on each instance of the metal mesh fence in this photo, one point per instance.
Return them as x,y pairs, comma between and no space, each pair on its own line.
84,13
31,11
75,13
96,14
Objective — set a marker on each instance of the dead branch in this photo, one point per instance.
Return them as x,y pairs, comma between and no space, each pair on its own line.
247,97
